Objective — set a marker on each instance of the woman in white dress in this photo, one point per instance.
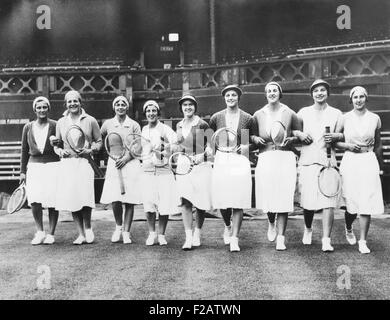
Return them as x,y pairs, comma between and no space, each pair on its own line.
359,167
313,157
130,169
276,173
159,193
194,188
231,187
75,190
39,165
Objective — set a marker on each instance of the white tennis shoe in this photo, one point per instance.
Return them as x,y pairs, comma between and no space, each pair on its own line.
326,246
234,244
79,240
363,246
49,239
188,243
89,236
280,246
151,238
116,236
227,234
307,235
39,237
161,240
271,234
350,236
126,237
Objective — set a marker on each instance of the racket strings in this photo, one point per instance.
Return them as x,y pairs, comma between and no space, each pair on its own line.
114,146
180,163
225,140
278,134
76,139
329,182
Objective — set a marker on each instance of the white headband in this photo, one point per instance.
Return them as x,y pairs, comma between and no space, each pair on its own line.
150,103
39,99
76,93
358,88
120,98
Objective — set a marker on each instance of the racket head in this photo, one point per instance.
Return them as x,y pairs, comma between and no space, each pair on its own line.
17,199
76,138
180,163
139,147
329,181
114,145
225,140
278,133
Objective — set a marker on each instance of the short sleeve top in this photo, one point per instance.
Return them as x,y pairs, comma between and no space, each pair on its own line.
314,123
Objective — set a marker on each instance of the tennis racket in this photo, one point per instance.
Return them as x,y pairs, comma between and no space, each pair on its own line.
278,133
329,178
76,139
225,140
142,149
181,163
116,149
17,199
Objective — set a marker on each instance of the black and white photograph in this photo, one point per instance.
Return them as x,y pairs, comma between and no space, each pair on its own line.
194,155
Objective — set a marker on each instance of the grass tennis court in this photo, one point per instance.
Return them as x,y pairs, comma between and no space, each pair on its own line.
115,271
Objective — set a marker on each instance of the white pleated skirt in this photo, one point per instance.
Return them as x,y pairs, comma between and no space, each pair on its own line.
196,186
75,188
362,189
41,183
275,181
159,193
311,197
231,183
131,173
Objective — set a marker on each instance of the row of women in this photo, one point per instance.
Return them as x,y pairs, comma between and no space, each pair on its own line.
59,179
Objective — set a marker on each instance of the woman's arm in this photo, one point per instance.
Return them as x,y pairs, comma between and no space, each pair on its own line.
378,145
25,153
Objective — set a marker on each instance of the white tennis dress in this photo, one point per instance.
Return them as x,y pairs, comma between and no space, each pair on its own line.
275,175
362,189
131,172
159,189
231,184
313,157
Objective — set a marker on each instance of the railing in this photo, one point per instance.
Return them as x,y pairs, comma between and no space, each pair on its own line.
118,79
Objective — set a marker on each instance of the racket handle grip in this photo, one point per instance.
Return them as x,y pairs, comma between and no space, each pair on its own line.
328,148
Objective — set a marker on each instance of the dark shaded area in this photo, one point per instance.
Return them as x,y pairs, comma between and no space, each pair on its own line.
121,29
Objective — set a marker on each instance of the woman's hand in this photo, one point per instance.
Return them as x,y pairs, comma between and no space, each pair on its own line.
332,137
209,151
258,141
304,137
120,163
54,142
85,153
22,178
244,149
353,147
198,158
64,153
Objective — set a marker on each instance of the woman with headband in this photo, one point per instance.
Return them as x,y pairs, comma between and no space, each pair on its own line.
130,169
159,194
359,167
313,157
194,187
39,168
75,190
231,188
276,166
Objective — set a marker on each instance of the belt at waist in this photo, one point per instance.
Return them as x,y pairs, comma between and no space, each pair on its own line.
363,149
272,147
